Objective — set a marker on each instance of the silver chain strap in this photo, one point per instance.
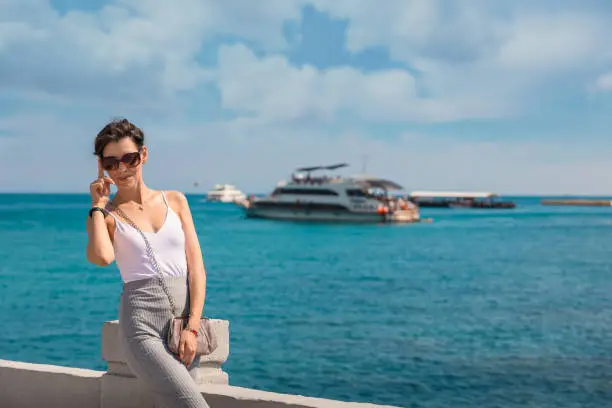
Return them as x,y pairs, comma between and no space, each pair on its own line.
151,256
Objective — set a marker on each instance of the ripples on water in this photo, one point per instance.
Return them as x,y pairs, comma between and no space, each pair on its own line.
489,308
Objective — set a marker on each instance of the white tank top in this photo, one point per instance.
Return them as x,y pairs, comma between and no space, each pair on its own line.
168,246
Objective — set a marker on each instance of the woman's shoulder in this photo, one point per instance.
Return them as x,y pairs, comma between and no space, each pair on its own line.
110,221
176,198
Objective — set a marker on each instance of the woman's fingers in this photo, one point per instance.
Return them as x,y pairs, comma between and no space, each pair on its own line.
100,170
181,349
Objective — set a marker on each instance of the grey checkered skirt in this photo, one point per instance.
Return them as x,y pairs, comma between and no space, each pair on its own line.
144,316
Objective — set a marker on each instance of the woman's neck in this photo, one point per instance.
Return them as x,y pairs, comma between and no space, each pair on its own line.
137,195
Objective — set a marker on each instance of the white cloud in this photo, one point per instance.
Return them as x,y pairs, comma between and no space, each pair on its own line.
473,60
130,51
272,90
498,53
410,29
462,32
604,82
556,42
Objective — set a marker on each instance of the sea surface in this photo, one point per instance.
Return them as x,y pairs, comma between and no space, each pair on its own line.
490,308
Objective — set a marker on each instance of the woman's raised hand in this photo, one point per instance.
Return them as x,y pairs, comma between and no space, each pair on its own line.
100,188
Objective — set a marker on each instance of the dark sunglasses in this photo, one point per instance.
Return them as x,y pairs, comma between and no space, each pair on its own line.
129,159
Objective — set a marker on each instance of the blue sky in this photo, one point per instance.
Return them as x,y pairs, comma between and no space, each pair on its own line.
508,96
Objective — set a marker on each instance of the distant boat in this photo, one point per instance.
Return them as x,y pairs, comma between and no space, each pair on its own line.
225,193
578,202
332,198
458,199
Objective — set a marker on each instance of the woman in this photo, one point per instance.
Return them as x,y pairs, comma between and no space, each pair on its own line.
144,312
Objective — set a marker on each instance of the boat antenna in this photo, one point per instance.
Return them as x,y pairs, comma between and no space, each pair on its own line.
364,163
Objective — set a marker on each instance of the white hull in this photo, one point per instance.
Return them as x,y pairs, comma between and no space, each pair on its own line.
330,216
226,198
225,193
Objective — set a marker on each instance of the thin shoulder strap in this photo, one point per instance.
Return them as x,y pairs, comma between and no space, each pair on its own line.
164,197
109,210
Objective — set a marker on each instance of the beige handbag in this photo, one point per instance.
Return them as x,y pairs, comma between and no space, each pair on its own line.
206,339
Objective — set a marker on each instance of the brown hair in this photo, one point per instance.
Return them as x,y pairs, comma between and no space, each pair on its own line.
115,131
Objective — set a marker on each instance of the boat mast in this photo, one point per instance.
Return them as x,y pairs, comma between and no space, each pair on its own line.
364,163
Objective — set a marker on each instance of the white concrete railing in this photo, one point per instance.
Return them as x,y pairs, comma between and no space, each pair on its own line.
25,385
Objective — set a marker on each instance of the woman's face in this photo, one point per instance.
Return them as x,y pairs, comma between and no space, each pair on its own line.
123,162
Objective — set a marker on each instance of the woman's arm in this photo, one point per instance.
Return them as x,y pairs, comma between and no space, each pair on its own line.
195,263
99,245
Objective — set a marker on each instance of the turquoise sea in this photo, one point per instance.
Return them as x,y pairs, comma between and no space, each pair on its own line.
492,308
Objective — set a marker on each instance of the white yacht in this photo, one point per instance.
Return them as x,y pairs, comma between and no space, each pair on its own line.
225,193
332,198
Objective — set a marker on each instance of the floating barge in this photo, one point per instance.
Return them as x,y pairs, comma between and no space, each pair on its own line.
579,202
458,199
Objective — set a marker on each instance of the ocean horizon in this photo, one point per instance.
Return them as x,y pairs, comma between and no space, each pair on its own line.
262,193
505,308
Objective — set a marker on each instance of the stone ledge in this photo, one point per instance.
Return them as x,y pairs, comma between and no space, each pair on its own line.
49,368
232,396
25,385
39,385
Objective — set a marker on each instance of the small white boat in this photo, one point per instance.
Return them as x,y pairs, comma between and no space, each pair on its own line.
225,193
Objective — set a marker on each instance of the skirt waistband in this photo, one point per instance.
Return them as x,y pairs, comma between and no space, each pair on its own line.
148,282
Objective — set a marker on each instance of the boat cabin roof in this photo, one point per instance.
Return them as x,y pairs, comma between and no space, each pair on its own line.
363,181
224,187
453,194
373,182
313,168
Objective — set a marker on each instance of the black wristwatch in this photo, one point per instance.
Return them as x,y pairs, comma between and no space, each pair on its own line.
97,209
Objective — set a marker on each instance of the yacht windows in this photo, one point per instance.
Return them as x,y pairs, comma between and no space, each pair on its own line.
356,192
305,191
